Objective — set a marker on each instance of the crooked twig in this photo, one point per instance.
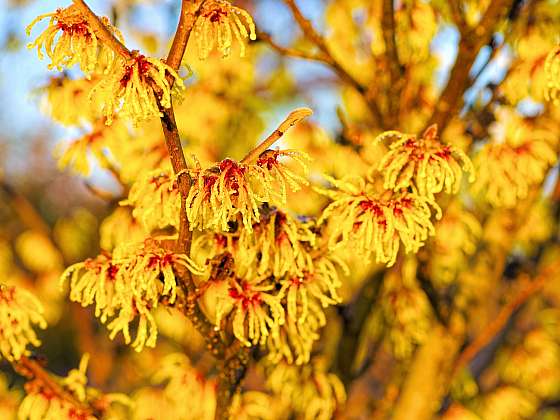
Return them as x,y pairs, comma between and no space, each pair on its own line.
316,38
392,57
292,119
493,328
471,42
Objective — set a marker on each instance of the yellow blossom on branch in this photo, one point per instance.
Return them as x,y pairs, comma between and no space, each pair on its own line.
19,312
424,163
155,200
257,312
374,223
128,284
552,71
218,24
77,42
137,88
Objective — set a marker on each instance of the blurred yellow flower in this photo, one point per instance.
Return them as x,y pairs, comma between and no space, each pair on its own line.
19,312
218,24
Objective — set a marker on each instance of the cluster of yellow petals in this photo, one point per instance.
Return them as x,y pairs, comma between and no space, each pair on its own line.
278,244
77,42
218,24
310,390
120,227
20,311
406,309
128,284
373,223
425,163
43,402
232,192
506,172
137,89
156,200
456,237
305,298
76,155
257,312
552,71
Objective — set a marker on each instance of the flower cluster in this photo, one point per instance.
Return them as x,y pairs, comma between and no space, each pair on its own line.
425,163
77,43
406,309
232,192
155,200
507,172
375,223
218,24
138,88
552,71
128,284
311,390
19,312
258,312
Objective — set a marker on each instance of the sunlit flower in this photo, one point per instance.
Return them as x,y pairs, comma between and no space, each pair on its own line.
219,24
220,195
425,163
311,390
507,171
120,227
43,403
257,312
376,224
94,145
19,312
77,42
278,244
552,70
126,285
456,239
156,200
406,309
276,177
137,88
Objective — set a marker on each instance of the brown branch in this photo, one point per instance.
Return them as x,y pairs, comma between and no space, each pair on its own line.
32,370
471,42
392,57
498,323
101,30
190,10
232,371
295,116
314,36
292,52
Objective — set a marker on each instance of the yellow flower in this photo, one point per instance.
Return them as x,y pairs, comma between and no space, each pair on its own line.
257,313
424,163
274,177
127,285
119,227
507,173
406,309
220,195
77,43
552,71
156,200
217,26
376,224
310,390
19,312
278,244
42,403
136,88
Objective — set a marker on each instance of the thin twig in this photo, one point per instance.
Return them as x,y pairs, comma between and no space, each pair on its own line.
470,44
292,52
494,327
292,119
34,371
392,57
101,30
314,36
